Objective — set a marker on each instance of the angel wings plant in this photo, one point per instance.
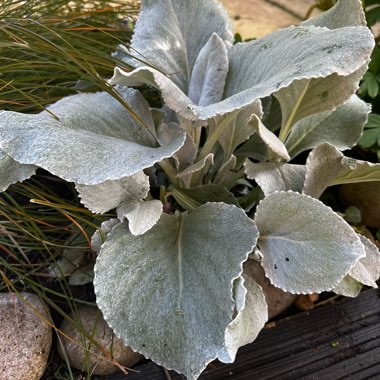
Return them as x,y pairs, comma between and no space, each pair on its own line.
207,180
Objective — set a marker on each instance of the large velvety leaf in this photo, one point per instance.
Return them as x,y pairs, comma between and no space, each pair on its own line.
276,176
168,293
343,13
95,140
327,166
306,247
169,34
92,112
311,96
341,128
294,53
12,171
248,323
108,195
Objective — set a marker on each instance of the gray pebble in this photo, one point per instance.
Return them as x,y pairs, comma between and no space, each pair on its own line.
94,363
25,338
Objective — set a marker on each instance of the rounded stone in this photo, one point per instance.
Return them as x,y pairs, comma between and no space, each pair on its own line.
277,300
25,336
99,339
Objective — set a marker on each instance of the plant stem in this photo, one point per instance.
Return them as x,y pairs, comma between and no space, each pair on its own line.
170,172
214,137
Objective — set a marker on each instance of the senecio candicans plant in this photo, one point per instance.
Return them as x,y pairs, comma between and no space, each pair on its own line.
207,181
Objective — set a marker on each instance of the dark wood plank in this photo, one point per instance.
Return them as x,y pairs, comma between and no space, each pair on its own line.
337,341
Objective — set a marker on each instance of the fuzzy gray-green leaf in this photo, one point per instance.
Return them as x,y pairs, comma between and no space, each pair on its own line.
306,246
96,139
248,323
327,166
141,215
12,171
276,176
341,128
168,293
343,13
296,54
108,195
169,34
367,270
208,76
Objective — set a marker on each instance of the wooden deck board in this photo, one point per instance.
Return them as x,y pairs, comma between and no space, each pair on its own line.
338,341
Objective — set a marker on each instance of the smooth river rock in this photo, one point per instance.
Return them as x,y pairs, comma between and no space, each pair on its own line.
25,337
90,319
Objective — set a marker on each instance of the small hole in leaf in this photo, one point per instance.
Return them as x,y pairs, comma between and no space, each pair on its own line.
287,259
143,345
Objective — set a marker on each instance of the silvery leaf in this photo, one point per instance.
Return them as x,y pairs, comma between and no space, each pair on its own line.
318,95
341,128
100,234
168,293
327,166
294,53
367,270
248,323
275,147
306,246
108,195
209,73
348,287
196,170
343,13
311,96
95,140
276,176
186,155
239,128
141,215
169,34
12,171
92,112
226,172
254,148
175,98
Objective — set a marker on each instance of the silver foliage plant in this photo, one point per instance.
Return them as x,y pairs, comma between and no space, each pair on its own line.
207,181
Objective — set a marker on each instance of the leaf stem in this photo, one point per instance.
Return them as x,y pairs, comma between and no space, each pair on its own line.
214,137
169,170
